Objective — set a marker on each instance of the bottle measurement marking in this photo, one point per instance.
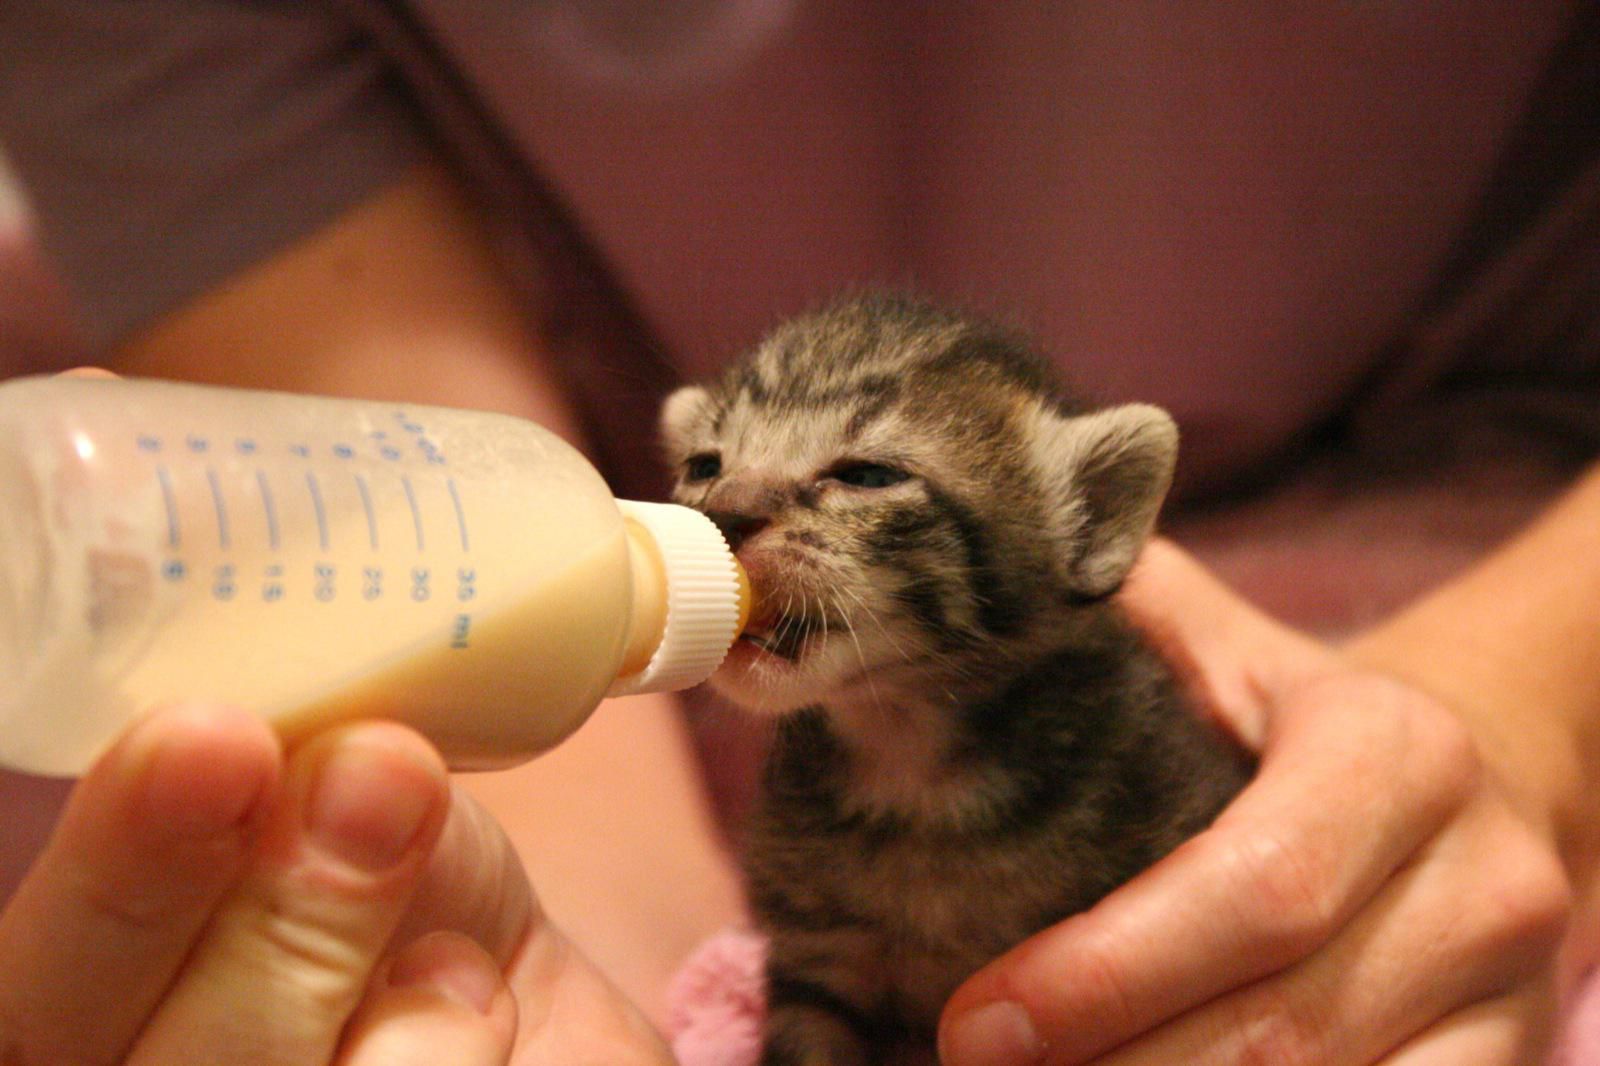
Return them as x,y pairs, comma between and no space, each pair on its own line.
170,499
316,505
461,514
220,506
269,509
366,505
416,512
272,516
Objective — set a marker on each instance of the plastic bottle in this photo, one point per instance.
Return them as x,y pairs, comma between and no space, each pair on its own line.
316,559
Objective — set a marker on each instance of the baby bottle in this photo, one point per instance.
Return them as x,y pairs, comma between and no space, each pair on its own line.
314,559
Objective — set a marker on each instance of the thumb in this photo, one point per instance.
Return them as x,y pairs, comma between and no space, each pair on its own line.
570,1014
288,954
441,999
475,884
1231,656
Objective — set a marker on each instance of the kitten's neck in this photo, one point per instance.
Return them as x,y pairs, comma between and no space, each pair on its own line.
897,753
904,757
943,752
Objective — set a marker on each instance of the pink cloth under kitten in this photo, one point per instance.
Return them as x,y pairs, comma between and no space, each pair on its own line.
717,1002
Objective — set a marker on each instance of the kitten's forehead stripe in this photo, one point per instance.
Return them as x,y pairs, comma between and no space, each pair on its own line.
871,405
992,354
719,418
752,386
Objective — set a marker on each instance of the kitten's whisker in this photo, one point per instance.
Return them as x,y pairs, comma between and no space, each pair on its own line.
861,655
863,608
951,665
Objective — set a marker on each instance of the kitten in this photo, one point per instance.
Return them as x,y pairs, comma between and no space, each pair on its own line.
973,743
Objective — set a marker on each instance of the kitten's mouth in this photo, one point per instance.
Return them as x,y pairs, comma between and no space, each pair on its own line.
783,635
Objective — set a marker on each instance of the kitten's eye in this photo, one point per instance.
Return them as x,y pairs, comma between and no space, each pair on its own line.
868,475
702,467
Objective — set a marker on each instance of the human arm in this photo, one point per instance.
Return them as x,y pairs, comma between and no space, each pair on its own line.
1514,648
1396,886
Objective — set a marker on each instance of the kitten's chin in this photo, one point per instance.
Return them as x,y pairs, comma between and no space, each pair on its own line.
764,682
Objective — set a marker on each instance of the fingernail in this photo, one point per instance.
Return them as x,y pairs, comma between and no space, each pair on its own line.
369,803
452,966
997,1034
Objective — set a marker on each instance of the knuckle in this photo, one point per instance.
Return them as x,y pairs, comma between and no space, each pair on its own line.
1402,730
133,912
318,955
1419,737
1270,1043
1453,757
1269,1029
1531,900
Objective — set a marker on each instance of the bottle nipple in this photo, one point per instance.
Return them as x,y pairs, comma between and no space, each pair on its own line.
747,597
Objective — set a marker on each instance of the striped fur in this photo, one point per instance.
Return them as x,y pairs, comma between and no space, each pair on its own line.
972,744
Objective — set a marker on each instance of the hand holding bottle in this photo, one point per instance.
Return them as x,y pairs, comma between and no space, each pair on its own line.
206,896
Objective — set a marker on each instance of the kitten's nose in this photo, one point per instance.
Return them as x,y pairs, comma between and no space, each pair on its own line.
738,527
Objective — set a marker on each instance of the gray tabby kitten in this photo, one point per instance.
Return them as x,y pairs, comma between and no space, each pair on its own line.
973,743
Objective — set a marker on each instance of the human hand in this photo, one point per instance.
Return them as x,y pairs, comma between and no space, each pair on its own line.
1381,893
206,899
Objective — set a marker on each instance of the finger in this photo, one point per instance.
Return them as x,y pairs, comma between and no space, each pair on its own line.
150,840
441,999
569,1014
1419,953
475,884
1232,657
289,953
1506,1031
1273,880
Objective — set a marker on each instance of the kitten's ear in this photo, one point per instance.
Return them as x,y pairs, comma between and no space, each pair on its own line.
681,413
1106,474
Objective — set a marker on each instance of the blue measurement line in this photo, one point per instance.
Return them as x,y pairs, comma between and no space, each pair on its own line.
268,508
316,505
224,539
169,498
416,512
461,514
366,505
